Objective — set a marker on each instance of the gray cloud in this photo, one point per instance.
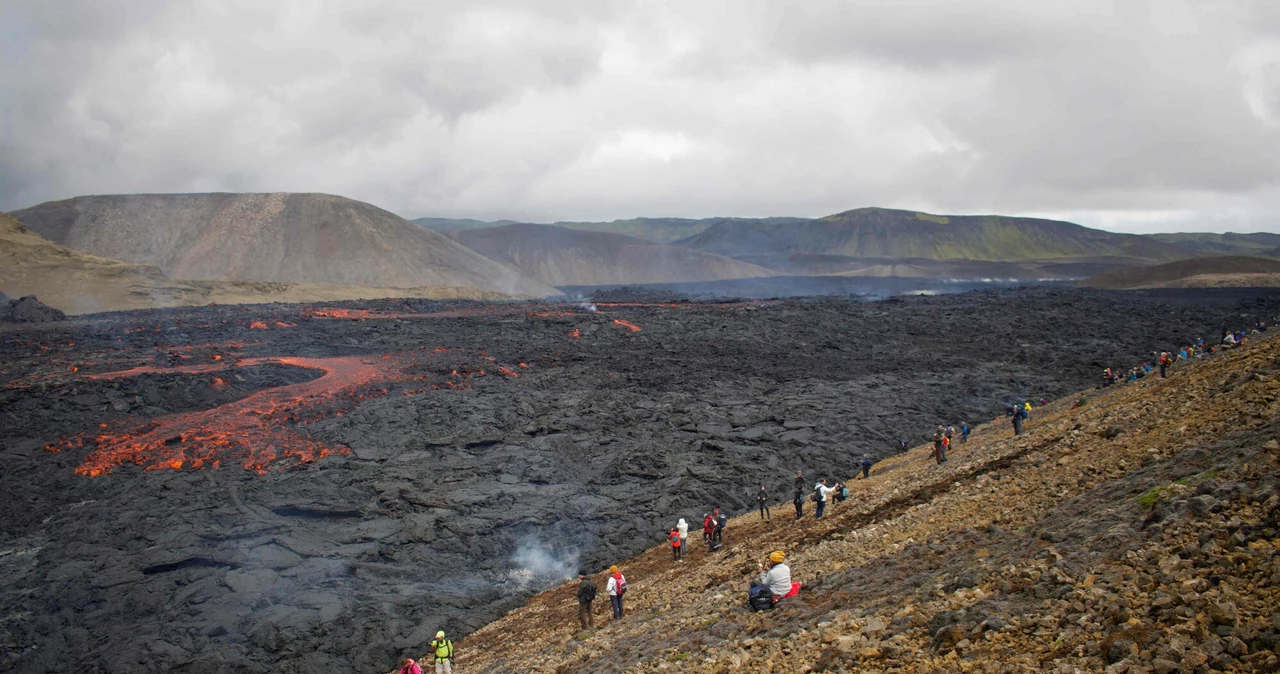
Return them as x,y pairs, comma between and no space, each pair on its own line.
1134,115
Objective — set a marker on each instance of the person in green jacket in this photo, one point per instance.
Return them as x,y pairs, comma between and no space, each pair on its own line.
442,649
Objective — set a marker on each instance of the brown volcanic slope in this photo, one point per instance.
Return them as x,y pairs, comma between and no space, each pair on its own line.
1136,533
285,238
81,283
1183,273
561,256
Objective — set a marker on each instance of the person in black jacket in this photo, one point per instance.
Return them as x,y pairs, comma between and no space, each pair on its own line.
798,500
586,595
762,502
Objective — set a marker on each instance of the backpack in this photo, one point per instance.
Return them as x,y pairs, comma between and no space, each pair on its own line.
815,496
760,601
587,593
843,494
724,519
622,585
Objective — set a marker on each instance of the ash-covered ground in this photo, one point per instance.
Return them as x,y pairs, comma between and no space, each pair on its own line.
298,489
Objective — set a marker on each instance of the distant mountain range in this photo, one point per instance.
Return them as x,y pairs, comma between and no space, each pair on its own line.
285,238
569,257
860,242
1200,243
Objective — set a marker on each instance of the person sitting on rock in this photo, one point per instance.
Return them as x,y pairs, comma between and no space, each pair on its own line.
775,578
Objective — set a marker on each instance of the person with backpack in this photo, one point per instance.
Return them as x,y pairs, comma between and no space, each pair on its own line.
951,434
721,520
673,537
822,493
1165,361
683,527
865,464
939,447
964,432
443,650
410,667
798,500
762,503
586,595
775,582
1019,413
708,529
616,588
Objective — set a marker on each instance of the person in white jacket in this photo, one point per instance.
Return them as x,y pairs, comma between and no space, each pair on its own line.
615,589
683,528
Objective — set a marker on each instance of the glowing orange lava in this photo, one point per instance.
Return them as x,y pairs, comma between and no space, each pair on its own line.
257,431
257,325
574,334
630,326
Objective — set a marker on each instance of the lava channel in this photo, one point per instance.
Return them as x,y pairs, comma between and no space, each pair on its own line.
253,431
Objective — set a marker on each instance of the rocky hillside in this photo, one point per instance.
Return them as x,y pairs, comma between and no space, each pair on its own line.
657,230
1131,529
1180,273
889,233
281,238
79,283
559,256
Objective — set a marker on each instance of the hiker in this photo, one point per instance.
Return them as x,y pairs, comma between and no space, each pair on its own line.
762,502
822,493
903,445
865,464
410,667
799,480
964,432
798,500
939,450
1019,413
683,527
721,520
673,537
615,589
775,578
1165,361
1108,377
443,650
708,529
951,434
586,595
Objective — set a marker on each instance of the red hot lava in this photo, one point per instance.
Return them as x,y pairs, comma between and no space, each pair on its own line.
630,326
252,431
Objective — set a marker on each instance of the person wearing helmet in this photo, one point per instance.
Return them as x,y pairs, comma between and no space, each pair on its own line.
442,649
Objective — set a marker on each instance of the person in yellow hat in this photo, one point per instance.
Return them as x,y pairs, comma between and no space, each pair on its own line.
442,649
775,578
616,587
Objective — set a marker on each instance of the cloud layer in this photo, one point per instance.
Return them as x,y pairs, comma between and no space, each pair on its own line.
1136,115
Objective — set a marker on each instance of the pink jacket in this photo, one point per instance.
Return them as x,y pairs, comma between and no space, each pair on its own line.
411,669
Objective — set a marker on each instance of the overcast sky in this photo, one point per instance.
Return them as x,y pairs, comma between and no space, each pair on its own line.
1130,115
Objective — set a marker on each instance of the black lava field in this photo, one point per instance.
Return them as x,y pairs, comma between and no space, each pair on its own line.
284,488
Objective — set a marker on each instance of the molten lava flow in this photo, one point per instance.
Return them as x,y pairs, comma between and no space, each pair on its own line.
251,431
574,334
286,324
630,326
257,325
257,431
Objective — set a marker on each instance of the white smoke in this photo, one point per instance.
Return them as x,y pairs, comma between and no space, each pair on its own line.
536,561
587,306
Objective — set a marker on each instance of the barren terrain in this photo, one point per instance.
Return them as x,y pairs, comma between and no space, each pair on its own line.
320,488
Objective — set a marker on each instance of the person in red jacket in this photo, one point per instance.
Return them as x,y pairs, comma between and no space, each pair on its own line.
677,550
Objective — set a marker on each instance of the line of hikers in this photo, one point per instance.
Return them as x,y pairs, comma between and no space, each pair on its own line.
1166,359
